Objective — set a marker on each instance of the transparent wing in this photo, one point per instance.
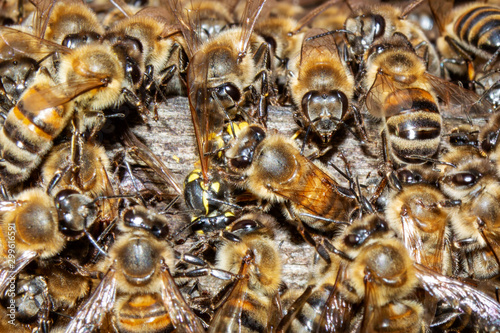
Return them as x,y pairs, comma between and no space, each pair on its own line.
229,317
7,273
43,9
91,313
181,315
338,312
324,45
253,9
485,309
148,157
461,102
15,42
187,24
317,189
383,88
43,97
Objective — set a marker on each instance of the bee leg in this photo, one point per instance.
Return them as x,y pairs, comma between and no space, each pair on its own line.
133,99
463,53
491,60
262,60
205,271
360,125
294,310
320,249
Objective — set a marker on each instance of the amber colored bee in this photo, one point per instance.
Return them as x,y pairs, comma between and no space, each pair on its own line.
272,168
475,182
419,215
89,78
321,86
371,24
374,272
253,302
371,271
405,96
41,226
137,289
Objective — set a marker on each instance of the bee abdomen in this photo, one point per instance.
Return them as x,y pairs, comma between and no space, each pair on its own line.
307,320
480,27
26,136
253,316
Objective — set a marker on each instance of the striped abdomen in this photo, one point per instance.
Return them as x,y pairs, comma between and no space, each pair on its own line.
28,133
142,313
413,124
255,314
479,27
309,316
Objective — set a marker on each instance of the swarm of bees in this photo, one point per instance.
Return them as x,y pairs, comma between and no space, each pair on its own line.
397,223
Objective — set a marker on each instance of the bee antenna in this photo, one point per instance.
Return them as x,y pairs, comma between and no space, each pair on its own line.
227,203
432,160
324,218
170,204
92,240
106,197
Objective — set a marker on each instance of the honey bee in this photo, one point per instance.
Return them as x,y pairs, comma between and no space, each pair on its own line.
400,91
371,270
468,32
284,45
474,181
69,23
321,86
89,78
419,215
272,168
371,24
253,301
59,220
137,289
356,279
223,75
89,173
159,49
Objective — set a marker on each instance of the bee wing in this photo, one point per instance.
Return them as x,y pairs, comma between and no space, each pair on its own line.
306,19
91,313
205,119
8,206
10,272
383,88
181,315
413,242
485,309
276,314
38,99
461,101
372,313
187,24
251,13
320,45
16,42
123,7
148,157
440,9
43,8
229,317
319,186
337,313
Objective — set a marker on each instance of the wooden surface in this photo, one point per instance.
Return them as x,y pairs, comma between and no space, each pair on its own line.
172,139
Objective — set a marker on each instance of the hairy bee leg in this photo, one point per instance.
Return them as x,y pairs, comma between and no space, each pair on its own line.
262,58
463,53
294,310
